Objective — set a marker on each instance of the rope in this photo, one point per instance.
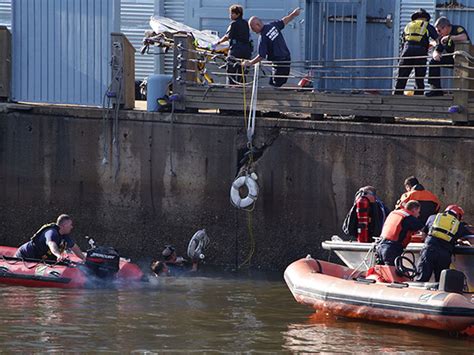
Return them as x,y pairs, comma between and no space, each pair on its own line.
250,131
251,241
172,172
365,262
244,94
253,107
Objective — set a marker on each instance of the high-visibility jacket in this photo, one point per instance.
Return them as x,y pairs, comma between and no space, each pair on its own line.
416,31
393,228
445,226
428,201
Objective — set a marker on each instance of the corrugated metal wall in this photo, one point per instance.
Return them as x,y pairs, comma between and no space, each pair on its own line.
175,10
213,15
134,20
338,29
61,49
459,15
5,13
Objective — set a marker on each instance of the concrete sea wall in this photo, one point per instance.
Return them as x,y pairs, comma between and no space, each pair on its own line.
161,181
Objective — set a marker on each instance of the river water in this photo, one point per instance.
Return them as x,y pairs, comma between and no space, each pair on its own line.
196,314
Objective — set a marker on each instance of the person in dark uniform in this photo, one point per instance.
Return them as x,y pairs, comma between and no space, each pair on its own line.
444,231
416,36
448,36
272,46
51,241
397,231
240,47
415,191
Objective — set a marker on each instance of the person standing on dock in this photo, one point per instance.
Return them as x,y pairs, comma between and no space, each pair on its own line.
448,36
272,46
240,47
416,38
51,241
444,230
397,231
415,191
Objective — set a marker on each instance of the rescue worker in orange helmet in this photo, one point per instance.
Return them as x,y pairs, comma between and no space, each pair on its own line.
397,231
444,231
415,191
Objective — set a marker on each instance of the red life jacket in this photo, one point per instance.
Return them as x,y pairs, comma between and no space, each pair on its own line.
392,227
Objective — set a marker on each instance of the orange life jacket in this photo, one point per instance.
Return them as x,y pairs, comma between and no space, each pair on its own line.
393,226
429,202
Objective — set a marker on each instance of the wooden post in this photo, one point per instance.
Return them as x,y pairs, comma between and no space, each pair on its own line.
461,98
184,71
124,52
5,63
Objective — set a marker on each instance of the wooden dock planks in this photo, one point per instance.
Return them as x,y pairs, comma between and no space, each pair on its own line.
284,100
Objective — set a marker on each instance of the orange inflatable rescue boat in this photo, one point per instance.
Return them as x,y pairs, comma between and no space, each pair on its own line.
103,267
383,296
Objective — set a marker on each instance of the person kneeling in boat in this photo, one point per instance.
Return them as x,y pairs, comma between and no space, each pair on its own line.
444,231
416,192
51,241
396,233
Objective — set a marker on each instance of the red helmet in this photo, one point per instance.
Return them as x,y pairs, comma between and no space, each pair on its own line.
455,209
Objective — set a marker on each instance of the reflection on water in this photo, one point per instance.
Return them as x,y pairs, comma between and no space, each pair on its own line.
195,314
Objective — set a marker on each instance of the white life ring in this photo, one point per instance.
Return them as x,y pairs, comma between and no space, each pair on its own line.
250,182
197,244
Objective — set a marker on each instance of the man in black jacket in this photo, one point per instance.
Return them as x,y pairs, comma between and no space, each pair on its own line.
448,36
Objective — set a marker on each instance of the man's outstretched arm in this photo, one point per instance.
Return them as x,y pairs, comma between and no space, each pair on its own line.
295,13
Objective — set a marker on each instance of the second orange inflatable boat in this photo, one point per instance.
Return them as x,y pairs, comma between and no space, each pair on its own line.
344,292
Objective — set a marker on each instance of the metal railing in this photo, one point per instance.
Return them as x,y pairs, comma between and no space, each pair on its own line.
201,67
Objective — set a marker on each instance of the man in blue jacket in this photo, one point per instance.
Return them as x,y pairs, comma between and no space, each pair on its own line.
272,46
51,241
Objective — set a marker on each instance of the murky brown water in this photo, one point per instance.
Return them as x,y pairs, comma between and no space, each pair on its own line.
197,314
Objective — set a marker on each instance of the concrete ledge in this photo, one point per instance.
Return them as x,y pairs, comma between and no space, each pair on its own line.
409,129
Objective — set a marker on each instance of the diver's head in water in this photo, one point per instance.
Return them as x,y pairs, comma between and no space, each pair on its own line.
169,254
159,268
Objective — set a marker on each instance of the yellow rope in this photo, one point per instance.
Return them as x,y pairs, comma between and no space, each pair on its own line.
251,238
249,212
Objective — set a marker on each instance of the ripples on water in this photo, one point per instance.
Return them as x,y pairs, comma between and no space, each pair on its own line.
197,314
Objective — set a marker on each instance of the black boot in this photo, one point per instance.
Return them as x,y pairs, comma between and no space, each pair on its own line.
435,91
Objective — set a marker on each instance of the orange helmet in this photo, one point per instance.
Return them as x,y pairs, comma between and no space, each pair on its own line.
457,210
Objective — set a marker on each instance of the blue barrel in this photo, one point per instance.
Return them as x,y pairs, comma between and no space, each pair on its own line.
156,87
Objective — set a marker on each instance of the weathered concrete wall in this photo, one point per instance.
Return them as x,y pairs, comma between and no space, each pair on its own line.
52,161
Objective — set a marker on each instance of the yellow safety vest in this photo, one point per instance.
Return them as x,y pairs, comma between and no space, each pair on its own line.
445,227
416,30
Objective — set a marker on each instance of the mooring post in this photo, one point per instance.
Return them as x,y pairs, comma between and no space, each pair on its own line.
462,84
184,70
5,64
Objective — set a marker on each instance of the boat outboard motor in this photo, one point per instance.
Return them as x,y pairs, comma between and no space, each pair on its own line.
452,281
103,262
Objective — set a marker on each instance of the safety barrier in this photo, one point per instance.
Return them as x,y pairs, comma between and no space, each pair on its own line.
198,81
